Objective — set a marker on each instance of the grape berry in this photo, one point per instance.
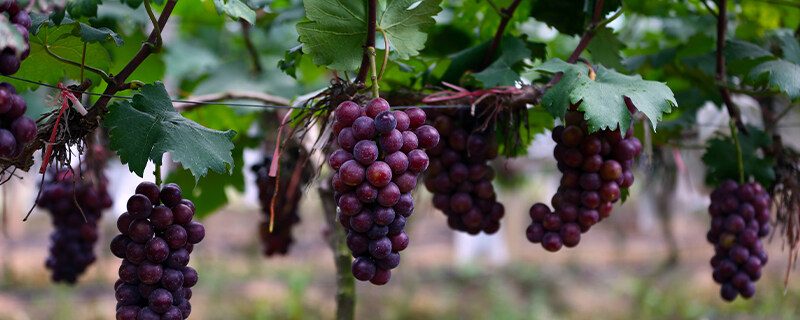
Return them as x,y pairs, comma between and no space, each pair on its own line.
10,60
596,168
16,130
155,242
377,167
72,241
739,219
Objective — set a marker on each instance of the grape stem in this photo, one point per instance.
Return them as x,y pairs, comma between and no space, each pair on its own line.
372,21
385,53
157,173
739,161
375,88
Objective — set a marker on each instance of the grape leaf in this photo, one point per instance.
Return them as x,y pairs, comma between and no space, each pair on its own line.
720,158
42,67
149,125
83,8
11,38
236,9
789,46
335,33
86,32
602,99
505,70
780,74
738,50
605,49
462,61
132,3
291,60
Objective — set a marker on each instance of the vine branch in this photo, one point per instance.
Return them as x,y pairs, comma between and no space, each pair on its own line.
251,48
372,22
585,39
506,13
156,29
721,77
256,96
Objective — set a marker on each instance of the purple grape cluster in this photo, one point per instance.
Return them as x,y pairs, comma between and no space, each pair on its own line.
286,203
72,241
155,242
739,219
16,130
9,61
459,175
377,167
596,167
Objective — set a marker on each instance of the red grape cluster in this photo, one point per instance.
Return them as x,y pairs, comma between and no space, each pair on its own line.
376,169
459,175
739,219
286,203
10,60
15,129
154,279
72,241
595,167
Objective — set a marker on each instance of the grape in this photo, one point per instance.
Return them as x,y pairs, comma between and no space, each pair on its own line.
7,142
595,168
73,238
735,233
157,244
24,129
373,181
9,63
385,122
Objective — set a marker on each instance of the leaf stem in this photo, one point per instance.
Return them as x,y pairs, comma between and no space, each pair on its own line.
156,29
739,161
375,88
612,18
506,13
157,173
372,21
108,79
385,53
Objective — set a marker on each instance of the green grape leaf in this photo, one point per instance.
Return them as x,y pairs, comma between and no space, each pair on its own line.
720,158
132,3
780,74
148,125
605,49
505,70
236,9
465,60
789,46
92,34
739,50
83,8
42,67
11,38
291,60
335,33
602,99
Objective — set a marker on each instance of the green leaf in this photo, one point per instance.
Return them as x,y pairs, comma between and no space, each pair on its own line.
720,158
40,66
789,46
465,60
236,9
92,34
503,71
11,38
291,60
83,8
605,48
149,125
738,50
132,3
780,74
602,99
567,16
335,33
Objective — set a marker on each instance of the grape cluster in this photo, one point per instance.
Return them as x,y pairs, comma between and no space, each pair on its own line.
155,242
72,241
739,219
459,175
286,203
596,167
9,59
376,169
15,129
